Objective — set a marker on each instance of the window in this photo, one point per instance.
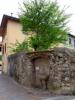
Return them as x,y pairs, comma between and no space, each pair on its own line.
70,41
4,48
0,49
74,43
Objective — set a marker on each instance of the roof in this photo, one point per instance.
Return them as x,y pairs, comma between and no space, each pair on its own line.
73,36
1,31
4,23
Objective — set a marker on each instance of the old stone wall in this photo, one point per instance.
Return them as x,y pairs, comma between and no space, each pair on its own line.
53,70
20,68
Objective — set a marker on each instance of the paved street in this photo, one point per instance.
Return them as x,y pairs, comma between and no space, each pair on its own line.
62,98
10,90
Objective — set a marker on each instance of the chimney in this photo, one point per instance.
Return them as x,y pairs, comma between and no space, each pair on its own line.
11,14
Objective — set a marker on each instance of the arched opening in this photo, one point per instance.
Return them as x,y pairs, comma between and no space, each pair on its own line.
40,71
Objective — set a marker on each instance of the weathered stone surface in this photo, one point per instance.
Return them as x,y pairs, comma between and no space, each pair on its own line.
54,69
20,68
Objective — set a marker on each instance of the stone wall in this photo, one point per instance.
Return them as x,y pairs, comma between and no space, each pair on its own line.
53,70
20,68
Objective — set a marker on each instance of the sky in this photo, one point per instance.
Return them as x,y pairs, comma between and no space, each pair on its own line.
70,10
12,6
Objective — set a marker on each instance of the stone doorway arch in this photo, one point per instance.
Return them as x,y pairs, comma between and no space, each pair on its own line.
41,71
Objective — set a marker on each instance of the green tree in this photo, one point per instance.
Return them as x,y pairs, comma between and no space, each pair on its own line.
18,47
47,21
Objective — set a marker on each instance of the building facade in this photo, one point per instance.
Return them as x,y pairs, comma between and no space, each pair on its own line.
10,30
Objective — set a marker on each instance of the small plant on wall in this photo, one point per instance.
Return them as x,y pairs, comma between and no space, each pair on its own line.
18,47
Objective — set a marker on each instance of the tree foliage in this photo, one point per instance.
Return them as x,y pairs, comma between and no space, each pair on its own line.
18,47
46,20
